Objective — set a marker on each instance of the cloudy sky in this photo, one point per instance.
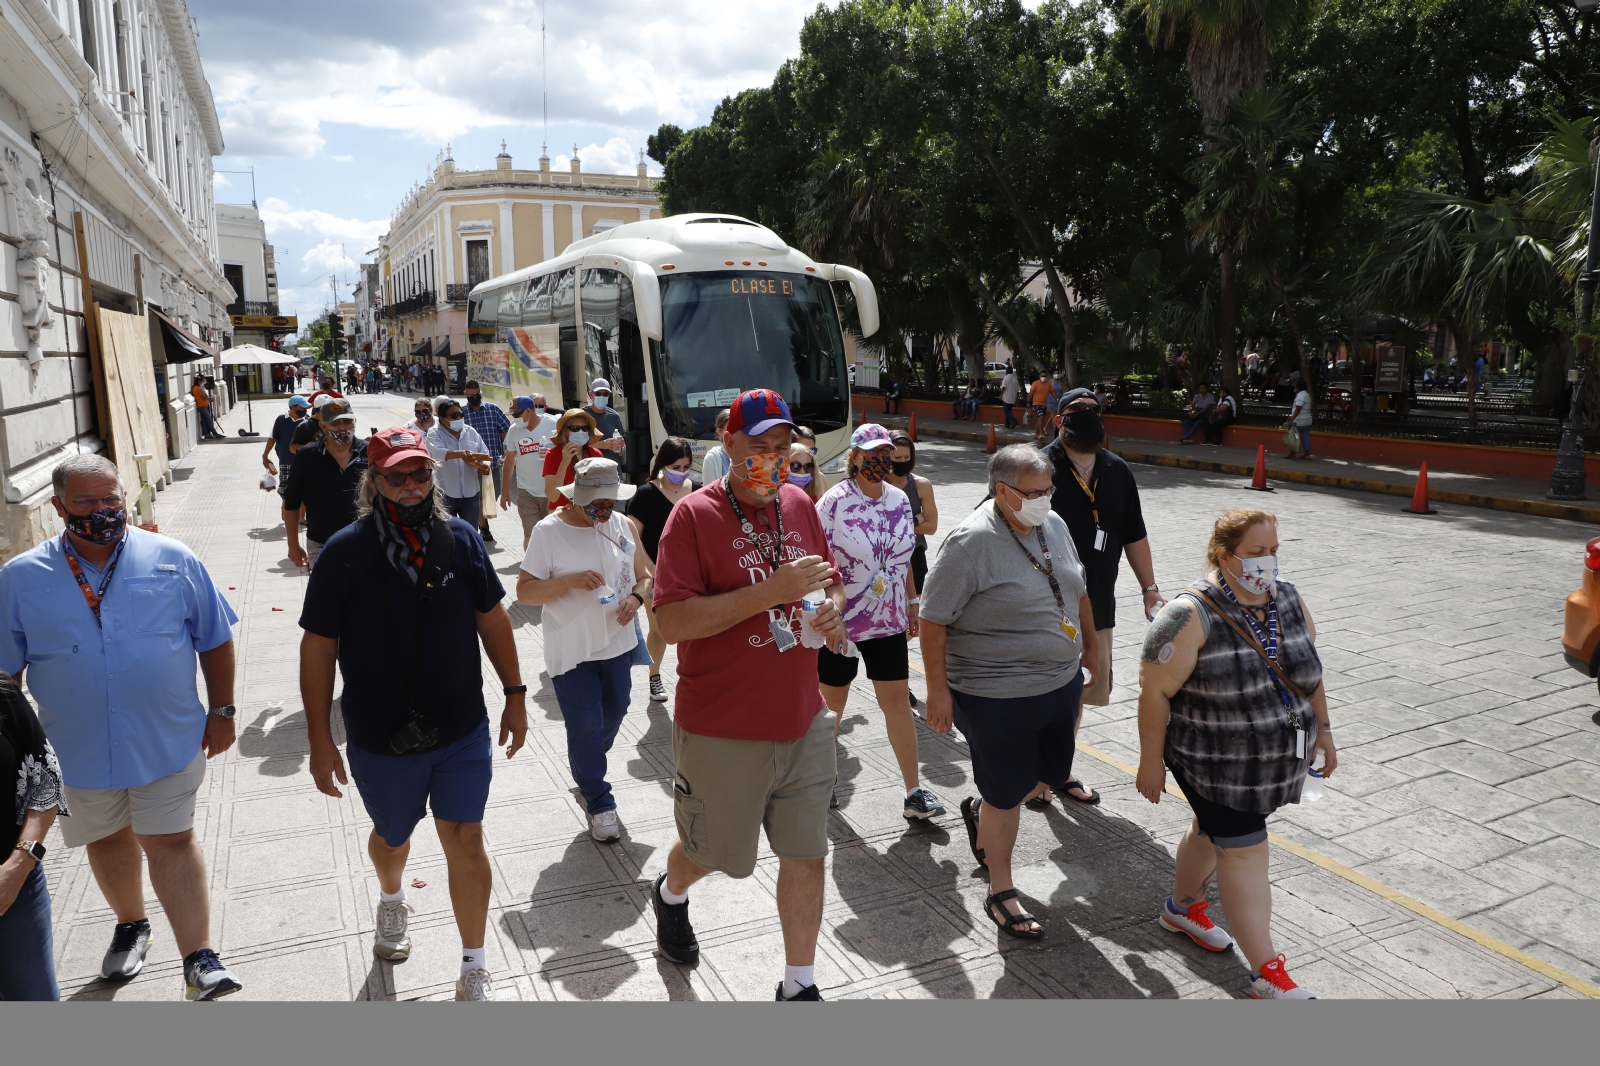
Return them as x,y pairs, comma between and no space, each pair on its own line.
341,105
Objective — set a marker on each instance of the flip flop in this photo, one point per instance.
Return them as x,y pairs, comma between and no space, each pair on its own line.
1074,783
969,816
1039,803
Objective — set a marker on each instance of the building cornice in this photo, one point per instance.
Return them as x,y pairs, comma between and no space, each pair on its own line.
454,191
175,13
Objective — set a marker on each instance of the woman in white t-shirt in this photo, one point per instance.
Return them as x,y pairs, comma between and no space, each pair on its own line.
587,568
1300,419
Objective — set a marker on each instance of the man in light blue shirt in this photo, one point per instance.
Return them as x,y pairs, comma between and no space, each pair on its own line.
108,622
463,459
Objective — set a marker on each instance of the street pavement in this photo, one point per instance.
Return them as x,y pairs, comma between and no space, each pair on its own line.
1468,781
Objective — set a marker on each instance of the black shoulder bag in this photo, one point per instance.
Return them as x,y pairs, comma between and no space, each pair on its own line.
417,732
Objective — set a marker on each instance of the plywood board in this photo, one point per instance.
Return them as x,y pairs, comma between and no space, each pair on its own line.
137,427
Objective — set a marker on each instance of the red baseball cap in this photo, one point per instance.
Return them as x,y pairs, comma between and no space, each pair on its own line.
388,446
757,411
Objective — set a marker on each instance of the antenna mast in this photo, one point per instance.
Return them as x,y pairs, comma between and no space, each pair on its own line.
544,80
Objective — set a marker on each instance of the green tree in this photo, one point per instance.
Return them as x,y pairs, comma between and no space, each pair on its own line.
316,336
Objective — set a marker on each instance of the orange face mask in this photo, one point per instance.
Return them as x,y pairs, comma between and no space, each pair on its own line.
763,474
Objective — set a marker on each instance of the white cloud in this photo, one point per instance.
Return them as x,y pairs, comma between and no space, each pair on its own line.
285,222
617,156
344,158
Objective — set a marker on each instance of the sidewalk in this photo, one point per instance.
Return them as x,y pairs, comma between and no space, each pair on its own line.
1500,493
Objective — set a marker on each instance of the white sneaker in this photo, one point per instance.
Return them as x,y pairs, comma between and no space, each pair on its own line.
1201,929
475,986
1274,983
391,940
604,826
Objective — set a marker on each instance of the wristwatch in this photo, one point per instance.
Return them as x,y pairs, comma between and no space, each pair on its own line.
32,847
638,597
515,690
1151,588
223,712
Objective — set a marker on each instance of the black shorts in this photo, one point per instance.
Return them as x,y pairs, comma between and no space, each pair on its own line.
1016,743
886,659
1224,826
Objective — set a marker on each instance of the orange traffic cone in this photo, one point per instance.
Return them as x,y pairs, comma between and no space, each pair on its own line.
912,428
991,446
1419,499
1259,481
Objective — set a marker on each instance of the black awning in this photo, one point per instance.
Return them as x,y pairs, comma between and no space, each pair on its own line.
179,345
421,348
442,349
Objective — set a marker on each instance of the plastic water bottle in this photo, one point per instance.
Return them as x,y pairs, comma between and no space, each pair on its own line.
1311,792
607,594
809,637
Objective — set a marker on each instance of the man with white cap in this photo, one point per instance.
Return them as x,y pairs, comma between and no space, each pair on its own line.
589,572
607,423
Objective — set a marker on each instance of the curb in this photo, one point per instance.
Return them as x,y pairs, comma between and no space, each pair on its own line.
1539,508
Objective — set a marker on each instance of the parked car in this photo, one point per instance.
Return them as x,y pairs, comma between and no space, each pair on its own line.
1580,637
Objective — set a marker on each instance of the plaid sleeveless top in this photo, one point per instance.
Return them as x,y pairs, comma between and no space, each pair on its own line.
1229,732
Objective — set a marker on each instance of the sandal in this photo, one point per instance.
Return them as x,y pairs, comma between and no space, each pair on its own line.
1009,922
1074,783
969,815
1040,802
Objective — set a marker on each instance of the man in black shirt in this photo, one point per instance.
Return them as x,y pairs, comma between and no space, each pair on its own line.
1096,496
323,478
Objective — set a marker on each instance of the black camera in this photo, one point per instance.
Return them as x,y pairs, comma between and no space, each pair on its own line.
413,735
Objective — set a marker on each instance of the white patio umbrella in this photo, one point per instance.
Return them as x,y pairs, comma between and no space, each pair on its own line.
254,355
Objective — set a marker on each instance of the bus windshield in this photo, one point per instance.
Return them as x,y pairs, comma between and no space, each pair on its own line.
727,331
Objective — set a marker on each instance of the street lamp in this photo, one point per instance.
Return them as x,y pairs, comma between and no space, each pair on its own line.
1567,479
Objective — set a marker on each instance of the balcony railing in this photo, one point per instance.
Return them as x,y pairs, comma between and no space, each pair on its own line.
252,307
457,293
425,300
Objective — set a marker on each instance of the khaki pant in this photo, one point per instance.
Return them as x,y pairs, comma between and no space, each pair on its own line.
532,510
1099,693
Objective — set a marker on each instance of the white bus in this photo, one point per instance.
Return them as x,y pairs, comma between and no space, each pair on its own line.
680,315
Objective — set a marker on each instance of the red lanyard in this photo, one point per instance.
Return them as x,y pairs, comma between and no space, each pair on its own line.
93,597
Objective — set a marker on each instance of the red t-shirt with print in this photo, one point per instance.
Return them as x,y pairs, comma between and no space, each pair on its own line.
552,463
736,684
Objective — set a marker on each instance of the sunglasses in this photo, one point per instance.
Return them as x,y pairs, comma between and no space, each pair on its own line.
801,468
398,481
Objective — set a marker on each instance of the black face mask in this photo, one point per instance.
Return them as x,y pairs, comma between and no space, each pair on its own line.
474,401
1085,427
412,515
900,469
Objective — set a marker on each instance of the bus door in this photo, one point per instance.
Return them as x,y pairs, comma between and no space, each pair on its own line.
614,352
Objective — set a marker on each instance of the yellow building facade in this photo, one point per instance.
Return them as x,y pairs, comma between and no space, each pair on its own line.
464,227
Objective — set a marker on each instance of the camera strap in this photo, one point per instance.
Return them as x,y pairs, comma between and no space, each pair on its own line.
436,564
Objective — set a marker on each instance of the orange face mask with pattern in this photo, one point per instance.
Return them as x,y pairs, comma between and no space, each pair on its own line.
762,475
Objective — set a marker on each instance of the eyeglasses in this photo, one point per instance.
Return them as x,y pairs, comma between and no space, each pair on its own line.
1083,405
1030,495
110,503
801,468
398,481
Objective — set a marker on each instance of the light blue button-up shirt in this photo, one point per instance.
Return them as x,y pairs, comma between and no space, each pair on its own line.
118,701
457,478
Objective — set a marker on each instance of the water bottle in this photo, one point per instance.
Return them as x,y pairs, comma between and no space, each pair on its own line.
809,637
1311,791
607,594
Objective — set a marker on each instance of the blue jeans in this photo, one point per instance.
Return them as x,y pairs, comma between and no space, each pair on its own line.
27,945
593,698
464,508
207,427
1011,420
1305,439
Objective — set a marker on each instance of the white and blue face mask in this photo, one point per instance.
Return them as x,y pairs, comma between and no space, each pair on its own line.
1258,575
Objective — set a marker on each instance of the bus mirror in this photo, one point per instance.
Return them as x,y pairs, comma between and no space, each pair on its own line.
866,297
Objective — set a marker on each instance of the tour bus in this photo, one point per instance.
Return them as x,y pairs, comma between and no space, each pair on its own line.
680,315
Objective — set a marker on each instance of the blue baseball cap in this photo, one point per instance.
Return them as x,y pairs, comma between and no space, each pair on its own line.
757,411
521,404
299,401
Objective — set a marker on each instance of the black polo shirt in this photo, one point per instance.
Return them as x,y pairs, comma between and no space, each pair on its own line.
328,493
1117,498
357,597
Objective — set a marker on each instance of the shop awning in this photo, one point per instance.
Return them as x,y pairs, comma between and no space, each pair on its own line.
442,349
388,348
420,349
179,345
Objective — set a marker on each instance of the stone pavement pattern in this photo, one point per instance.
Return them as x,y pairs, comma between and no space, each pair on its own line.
1469,781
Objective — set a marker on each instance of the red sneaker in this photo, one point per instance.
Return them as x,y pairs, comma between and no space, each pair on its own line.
1274,983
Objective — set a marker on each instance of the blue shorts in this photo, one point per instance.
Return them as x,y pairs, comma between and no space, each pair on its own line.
1016,743
398,789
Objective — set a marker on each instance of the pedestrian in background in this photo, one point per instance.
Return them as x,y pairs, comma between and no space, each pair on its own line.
282,437
1223,414
714,467
1039,400
752,742
1231,701
803,472
608,425
1009,388
401,604
648,511
807,436
463,459
1004,638
491,423
202,404
422,418
1300,424
1098,499
588,570
526,444
110,622
323,480
27,938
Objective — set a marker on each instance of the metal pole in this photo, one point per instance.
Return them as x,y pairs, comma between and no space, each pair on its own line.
1567,479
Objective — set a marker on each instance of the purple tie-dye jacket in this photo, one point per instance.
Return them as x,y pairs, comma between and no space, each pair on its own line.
867,534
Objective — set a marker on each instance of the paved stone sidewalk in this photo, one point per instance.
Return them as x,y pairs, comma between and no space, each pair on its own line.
293,897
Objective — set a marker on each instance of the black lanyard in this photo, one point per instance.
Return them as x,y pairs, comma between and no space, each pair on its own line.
93,597
1048,569
749,530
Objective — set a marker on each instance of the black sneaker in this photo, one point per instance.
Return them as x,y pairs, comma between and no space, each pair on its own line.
808,994
923,804
130,943
674,935
488,537
914,701
206,978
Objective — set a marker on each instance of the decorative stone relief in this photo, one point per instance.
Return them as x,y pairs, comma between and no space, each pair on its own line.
33,254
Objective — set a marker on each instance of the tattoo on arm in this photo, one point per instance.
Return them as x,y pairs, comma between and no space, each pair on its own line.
1158,640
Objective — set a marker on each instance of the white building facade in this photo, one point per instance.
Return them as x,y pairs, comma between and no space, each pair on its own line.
107,133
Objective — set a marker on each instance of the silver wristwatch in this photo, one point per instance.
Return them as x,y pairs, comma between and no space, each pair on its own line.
223,712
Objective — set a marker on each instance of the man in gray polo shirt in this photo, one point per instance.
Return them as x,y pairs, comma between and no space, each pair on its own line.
1003,636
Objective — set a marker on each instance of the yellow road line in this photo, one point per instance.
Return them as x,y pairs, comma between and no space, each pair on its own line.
1415,906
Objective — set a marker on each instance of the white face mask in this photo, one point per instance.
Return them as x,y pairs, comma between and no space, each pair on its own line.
1258,575
578,436
1033,512
601,401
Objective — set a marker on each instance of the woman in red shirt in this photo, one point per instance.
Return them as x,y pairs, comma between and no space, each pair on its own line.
571,441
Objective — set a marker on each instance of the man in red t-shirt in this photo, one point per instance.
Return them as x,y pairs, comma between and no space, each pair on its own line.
752,740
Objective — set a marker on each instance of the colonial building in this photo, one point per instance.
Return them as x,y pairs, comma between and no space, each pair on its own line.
107,132
466,226
249,264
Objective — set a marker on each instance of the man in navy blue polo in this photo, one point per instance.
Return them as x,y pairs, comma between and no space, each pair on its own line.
412,702
109,620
